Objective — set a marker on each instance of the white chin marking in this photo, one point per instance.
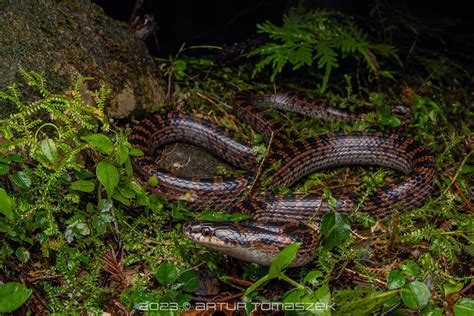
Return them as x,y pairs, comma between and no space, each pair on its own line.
261,257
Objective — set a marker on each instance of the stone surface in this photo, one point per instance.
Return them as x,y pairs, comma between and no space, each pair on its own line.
191,161
65,39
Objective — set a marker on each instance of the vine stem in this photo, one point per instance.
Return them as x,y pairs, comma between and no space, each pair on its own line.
283,277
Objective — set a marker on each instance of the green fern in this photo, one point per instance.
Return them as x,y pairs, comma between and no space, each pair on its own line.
321,36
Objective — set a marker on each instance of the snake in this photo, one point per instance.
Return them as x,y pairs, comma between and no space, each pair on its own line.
277,220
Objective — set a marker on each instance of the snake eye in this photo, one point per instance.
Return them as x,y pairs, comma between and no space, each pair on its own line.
206,231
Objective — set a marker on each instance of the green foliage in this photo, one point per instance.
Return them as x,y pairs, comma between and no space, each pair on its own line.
12,296
335,229
279,264
53,146
320,37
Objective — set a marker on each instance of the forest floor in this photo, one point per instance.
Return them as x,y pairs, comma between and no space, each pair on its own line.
82,234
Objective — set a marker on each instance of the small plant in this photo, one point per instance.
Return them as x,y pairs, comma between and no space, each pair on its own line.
56,157
321,37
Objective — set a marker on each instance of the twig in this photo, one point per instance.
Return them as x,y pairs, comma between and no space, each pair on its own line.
238,281
461,192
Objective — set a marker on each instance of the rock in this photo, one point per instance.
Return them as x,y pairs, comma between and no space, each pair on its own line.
65,39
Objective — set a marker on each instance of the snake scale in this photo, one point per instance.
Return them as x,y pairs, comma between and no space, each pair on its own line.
278,220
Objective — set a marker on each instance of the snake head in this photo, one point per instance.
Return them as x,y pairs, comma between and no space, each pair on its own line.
254,241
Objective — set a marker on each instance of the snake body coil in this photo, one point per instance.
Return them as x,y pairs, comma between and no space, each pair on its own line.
278,221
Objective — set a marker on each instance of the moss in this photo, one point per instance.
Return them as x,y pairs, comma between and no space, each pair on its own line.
70,38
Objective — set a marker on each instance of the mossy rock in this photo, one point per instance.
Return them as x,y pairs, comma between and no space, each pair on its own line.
66,39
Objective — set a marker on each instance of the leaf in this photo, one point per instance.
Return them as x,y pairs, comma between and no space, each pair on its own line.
4,168
335,229
416,295
312,277
294,296
466,169
122,199
153,181
12,296
22,180
283,260
123,153
22,254
6,205
13,157
108,175
83,185
189,281
452,286
76,230
100,222
410,268
49,150
136,152
104,206
100,142
464,307
395,280
166,273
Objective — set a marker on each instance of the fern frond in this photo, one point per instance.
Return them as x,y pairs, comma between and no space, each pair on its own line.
325,36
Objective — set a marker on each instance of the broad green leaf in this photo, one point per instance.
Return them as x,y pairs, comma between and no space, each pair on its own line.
322,296
295,295
410,268
6,204
452,286
4,168
76,230
312,277
122,199
22,180
83,185
12,296
100,222
166,273
395,280
464,307
108,175
143,200
100,142
12,157
49,150
416,295
335,229
123,152
104,206
22,254
126,191
189,281
283,260
181,299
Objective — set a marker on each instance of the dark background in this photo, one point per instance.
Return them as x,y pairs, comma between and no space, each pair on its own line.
448,25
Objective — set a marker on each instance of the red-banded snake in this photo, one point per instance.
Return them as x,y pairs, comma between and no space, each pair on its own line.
279,220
